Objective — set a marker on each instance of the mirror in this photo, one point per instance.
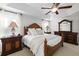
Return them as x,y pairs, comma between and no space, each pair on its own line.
65,25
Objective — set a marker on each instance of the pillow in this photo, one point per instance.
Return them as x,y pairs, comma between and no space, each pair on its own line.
39,31
28,33
32,31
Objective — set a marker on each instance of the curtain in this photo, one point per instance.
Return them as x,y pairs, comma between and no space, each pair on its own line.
5,19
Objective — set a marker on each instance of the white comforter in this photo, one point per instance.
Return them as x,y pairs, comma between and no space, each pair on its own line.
36,43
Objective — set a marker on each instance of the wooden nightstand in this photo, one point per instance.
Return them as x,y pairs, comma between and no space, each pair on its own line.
11,44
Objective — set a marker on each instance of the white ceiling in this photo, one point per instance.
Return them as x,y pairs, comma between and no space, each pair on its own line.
34,9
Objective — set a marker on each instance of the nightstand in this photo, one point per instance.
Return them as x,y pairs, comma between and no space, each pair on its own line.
47,32
11,44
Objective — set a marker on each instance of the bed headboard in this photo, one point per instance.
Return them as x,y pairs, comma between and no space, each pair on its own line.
34,25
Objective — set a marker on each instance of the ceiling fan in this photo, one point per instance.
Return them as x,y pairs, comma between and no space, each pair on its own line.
55,7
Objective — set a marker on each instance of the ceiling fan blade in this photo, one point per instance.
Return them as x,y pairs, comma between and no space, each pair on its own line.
47,12
53,5
56,12
57,4
45,8
64,7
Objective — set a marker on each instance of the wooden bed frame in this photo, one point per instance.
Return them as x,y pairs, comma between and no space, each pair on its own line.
48,50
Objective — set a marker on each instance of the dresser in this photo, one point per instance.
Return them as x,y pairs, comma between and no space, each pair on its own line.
69,37
11,44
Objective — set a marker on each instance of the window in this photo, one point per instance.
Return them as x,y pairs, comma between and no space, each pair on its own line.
5,19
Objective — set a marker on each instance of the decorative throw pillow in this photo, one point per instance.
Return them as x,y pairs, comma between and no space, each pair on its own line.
32,31
39,31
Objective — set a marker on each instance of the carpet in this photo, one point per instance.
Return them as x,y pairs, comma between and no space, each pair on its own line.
66,50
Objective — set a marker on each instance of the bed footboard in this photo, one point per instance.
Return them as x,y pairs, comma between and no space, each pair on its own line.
50,50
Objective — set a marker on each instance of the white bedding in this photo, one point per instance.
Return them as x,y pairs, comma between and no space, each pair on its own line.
36,43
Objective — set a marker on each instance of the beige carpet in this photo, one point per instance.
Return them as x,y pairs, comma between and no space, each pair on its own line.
67,50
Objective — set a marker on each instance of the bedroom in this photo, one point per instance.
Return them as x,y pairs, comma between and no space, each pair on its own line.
15,16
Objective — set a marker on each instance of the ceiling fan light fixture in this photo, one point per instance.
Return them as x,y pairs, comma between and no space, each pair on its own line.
54,9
